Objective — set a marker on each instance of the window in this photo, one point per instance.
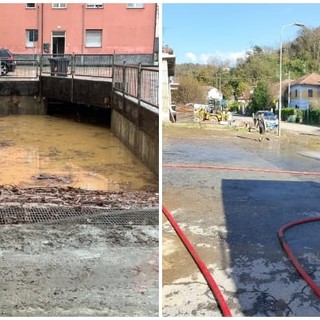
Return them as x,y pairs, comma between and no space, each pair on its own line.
296,93
94,5
94,38
310,93
31,37
30,5
135,5
59,5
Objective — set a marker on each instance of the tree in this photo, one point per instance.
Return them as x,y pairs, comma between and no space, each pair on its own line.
261,98
189,91
260,65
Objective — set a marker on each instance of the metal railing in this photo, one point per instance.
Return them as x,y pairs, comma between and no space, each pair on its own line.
77,65
137,81
150,86
25,69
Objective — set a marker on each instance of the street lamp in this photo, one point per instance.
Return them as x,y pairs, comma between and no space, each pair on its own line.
301,25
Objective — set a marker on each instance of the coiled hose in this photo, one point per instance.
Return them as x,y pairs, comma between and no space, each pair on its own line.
292,257
203,268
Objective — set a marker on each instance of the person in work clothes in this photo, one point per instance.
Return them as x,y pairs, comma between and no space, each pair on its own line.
261,124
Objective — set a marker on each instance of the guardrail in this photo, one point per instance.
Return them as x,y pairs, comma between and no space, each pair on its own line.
77,65
140,82
26,69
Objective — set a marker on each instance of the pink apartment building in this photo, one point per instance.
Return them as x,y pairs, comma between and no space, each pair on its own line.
80,28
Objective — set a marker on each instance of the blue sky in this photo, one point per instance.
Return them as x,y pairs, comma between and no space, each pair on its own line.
225,31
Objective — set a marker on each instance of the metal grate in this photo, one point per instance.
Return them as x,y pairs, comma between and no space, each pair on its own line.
18,215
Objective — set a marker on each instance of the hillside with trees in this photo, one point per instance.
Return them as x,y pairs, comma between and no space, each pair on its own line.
259,70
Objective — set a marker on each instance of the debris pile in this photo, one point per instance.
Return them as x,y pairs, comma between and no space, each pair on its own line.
76,197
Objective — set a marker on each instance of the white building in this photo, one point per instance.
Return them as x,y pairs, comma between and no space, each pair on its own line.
168,84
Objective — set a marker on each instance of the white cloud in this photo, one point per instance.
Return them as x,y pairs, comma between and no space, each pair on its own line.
191,56
221,57
218,57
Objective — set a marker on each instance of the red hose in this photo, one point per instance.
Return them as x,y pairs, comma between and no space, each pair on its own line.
291,256
203,268
195,166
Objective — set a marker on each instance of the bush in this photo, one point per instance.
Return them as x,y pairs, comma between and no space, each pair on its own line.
233,107
189,91
287,112
312,116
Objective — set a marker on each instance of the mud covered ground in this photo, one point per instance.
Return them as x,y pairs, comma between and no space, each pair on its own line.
232,218
11,195
74,269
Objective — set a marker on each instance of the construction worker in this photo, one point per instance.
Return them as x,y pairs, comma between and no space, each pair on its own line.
261,123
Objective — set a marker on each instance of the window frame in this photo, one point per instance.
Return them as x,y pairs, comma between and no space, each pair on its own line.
31,7
135,5
58,5
94,5
28,43
94,45
310,93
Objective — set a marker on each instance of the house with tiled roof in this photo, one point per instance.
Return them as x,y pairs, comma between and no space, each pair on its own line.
304,90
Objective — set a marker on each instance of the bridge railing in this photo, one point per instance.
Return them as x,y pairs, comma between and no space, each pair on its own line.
22,68
149,89
77,65
138,82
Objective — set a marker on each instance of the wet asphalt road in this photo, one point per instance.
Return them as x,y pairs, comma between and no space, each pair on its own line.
232,219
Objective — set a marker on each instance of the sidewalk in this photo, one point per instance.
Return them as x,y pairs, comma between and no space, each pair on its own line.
301,128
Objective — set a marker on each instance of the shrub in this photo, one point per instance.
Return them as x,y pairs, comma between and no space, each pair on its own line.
287,112
189,91
234,107
312,116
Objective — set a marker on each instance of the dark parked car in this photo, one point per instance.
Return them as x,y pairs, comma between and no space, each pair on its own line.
8,63
270,118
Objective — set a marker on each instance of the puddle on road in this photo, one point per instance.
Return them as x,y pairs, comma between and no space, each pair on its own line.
49,151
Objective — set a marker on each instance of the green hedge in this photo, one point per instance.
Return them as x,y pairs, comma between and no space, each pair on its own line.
234,107
312,117
287,112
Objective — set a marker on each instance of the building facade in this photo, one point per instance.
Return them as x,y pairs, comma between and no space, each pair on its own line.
304,91
168,71
67,28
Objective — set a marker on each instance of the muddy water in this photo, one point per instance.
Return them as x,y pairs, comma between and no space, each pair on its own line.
49,151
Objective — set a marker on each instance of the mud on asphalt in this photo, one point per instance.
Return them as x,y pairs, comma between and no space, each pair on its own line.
232,219
78,269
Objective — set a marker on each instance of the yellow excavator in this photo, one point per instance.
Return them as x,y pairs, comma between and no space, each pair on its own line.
212,112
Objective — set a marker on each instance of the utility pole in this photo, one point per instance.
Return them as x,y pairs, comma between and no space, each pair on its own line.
289,89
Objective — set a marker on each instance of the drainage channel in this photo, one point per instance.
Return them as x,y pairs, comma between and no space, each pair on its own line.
85,215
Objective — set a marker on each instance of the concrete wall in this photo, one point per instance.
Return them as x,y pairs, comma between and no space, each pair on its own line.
20,97
138,128
21,105
89,92
166,94
144,146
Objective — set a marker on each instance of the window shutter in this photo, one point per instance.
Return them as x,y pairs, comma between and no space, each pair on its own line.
94,38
